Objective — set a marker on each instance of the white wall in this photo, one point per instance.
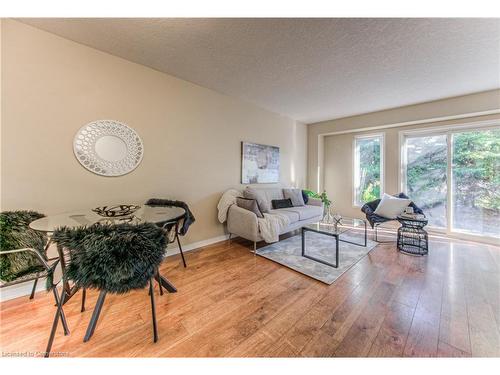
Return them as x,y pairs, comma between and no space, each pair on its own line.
330,148
52,86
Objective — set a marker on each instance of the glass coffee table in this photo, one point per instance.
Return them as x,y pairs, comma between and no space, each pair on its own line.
335,231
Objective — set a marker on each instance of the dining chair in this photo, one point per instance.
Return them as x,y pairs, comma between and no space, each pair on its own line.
174,228
23,255
46,271
111,258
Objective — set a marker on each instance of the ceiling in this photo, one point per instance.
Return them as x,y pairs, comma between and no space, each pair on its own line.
308,69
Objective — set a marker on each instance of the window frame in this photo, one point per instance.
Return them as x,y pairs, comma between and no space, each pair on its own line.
355,165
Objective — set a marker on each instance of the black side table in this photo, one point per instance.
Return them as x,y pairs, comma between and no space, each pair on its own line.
412,238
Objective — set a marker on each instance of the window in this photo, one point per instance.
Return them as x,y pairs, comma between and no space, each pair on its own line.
368,168
425,176
454,176
475,188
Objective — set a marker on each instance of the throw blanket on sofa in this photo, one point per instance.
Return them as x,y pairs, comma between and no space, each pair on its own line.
226,201
272,225
269,227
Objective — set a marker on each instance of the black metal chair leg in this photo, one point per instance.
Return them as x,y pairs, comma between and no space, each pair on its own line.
159,283
56,321
32,295
84,294
95,316
166,284
153,311
63,316
180,249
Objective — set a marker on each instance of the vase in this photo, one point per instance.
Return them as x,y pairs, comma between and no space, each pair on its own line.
327,215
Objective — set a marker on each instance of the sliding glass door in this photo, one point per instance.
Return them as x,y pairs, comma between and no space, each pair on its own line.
426,180
475,192
454,176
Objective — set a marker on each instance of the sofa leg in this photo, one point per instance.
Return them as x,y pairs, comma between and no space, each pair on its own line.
254,247
230,235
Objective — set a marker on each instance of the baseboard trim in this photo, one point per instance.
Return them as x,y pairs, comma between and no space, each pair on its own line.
195,245
24,289
19,290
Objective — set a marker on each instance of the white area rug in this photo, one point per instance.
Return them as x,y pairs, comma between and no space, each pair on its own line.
289,253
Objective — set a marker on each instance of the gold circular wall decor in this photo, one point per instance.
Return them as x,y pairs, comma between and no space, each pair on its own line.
108,148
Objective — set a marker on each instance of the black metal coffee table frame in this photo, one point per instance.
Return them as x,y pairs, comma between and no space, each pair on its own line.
337,240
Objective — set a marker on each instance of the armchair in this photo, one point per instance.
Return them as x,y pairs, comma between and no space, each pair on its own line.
375,220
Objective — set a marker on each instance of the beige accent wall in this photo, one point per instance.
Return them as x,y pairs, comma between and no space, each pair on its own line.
334,153
52,86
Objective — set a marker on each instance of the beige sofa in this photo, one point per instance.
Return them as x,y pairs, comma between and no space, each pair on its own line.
243,223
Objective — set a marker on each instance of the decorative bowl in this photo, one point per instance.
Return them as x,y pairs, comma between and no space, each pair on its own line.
116,211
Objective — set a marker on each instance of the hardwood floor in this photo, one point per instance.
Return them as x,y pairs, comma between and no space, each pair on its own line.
231,303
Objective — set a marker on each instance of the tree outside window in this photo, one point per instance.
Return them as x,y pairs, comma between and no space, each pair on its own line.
367,169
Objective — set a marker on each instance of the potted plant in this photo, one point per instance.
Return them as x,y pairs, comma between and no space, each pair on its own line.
327,216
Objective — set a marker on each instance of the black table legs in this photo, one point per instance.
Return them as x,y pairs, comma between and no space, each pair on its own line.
336,235
336,265
166,283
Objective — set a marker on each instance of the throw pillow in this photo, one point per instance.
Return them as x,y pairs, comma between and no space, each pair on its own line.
305,197
281,203
295,195
260,197
250,205
390,207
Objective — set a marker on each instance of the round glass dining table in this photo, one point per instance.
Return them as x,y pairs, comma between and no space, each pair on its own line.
151,214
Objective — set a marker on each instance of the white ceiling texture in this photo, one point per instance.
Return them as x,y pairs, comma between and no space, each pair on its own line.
308,69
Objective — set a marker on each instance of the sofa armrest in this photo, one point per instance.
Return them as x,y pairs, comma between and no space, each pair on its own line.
315,202
243,223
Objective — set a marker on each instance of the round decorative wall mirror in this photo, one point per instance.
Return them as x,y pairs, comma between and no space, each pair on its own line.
108,148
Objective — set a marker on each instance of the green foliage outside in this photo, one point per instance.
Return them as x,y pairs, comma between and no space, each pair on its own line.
426,172
475,178
371,192
369,170
476,169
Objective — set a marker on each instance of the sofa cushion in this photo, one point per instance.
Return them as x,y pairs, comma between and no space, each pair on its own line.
250,205
281,203
306,212
295,195
263,196
292,216
260,197
272,194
